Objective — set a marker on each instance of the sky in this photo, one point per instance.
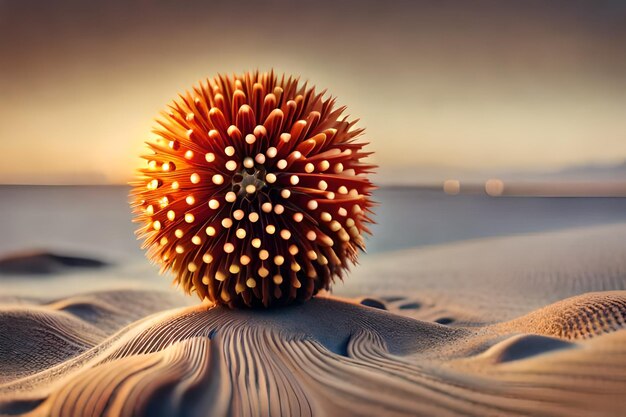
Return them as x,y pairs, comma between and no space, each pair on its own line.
442,87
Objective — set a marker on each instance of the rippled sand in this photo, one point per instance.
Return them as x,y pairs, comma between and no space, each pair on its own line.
526,325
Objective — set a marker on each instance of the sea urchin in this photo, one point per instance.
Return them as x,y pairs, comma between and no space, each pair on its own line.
254,193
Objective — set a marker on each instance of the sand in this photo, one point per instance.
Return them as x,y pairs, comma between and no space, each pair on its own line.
509,326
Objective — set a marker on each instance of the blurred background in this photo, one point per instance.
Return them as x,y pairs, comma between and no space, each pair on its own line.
487,117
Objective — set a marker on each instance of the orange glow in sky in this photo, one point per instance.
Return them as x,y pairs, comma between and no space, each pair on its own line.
437,84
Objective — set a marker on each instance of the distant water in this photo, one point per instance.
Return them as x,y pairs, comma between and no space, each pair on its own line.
96,220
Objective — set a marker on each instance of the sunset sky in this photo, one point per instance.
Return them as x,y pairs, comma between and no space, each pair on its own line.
439,85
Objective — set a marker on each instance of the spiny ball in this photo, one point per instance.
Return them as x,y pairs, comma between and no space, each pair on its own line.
255,191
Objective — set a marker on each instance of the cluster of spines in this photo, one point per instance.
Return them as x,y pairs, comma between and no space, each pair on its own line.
255,193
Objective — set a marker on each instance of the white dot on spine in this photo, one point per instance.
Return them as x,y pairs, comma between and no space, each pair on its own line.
229,150
234,269
256,242
250,189
293,250
312,255
325,216
342,190
282,164
270,229
294,180
263,272
338,168
260,158
312,205
156,225
190,200
271,178
153,185
227,222
230,197
189,218
279,209
217,179
250,138
189,133
175,185
231,165
248,162
278,279
342,212
163,241
298,217
166,166
171,215
196,240
207,258
251,283
311,235
178,233
229,247
285,193
194,178
279,260
238,214
266,207
350,222
213,203
210,231
150,210
322,185
285,234
324,165
188,154
245,259
263,254
271,152
241,233
254,217
209,157
260,130
192,267
179,249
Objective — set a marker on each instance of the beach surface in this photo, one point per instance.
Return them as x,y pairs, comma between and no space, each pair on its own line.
531,324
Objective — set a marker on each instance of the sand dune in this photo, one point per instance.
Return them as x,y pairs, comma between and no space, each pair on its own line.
534,325
42,262
496,279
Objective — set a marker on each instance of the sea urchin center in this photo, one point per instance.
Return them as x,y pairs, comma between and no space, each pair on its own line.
247,182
